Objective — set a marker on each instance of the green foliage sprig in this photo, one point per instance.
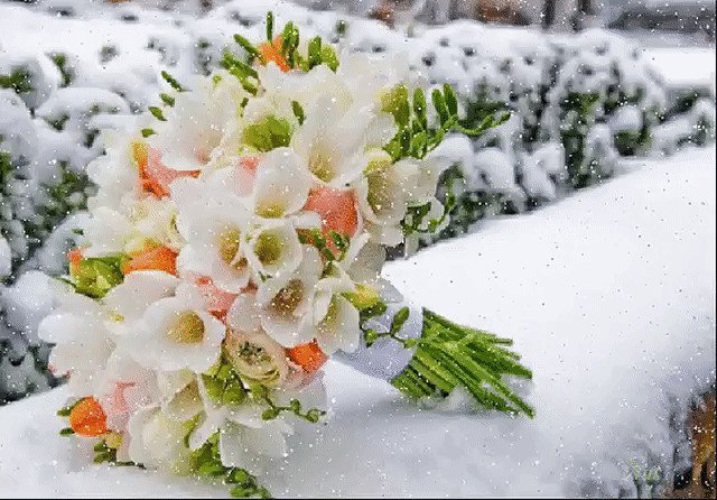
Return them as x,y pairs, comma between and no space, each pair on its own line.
416,137
206,462
95,276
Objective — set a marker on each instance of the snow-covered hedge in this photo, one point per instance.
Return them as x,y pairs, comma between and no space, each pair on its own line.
577,103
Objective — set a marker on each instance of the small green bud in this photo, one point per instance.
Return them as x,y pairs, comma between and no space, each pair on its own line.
270,414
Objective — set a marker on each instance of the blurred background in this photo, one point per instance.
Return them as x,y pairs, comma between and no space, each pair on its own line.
657,20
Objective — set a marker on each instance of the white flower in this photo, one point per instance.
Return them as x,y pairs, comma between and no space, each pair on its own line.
388,189
282,88
126,387
333,139
215,230
245,440
363,263
177,333
127,302
244,314
114,173
337,320
281,186
153,220
274,249
287,301
371,77
107,231
83,344
157,441
197,123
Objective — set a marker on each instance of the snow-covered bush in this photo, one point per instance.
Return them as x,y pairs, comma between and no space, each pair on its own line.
48,131
602,79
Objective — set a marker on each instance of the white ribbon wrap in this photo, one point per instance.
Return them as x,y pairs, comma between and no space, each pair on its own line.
386,358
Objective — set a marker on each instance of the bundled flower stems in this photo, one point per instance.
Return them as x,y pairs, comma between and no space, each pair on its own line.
236,242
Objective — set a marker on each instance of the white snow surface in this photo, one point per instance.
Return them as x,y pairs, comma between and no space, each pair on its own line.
610,297
684,67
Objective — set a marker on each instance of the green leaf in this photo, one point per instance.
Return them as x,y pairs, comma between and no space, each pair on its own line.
340,241
167,99
242,71
329,57
439,103
298,112
67,432
396,103
247,46
157,113
451,100
313,415
420,108
399,319
314,52
270,26
370,336
295,406
234,393
270,414
146,132
172,82
214,387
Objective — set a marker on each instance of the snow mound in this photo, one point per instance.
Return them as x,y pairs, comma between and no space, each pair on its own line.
614,314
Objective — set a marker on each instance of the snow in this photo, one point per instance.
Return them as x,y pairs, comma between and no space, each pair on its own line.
609,295
5,258
684,67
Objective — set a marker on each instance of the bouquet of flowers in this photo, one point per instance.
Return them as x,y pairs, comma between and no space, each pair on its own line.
236,242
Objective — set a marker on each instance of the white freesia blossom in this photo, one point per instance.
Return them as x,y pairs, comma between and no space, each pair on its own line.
274,249
83,343
281,186
176,332
107,230
125,388
153,221
197,123
371,77
335,137
157,441
286,302
128,301
115,173
281,88
363,263
215,231
244,315
337,320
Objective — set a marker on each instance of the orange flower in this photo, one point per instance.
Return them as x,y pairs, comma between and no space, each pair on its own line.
249,163
154,176
74,256
271,52
88,419
336,207
154,259
217,301
309,357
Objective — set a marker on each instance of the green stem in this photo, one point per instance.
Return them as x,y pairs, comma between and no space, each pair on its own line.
449,355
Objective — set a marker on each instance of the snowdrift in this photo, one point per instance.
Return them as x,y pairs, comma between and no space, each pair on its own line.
614,314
